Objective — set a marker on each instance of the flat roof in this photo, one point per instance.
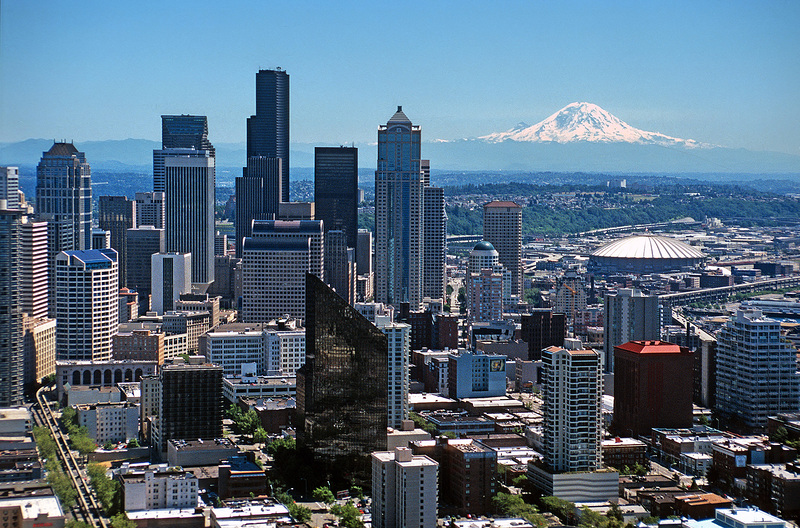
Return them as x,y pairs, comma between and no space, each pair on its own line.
652,347
33,506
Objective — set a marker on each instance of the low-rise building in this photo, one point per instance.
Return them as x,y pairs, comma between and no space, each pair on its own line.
621,452
240,477
190,453
109,422
157,487
249,512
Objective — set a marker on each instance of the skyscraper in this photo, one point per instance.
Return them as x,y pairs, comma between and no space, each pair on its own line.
340,265
573,427
756,371
179,132
258,193
268,129
434,233
117,214
34,269
653,387
573,421
87,304
342,404
64,200
190,210
502,226
150,209
9,186
143,243
274,262
189,402
399,183
170,277
336,190
629,316
11,344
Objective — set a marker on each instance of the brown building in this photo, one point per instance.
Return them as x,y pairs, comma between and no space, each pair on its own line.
139,345
775,488
467,471
241,477
620,452
541,329
653,387
502,227
732,456
446,331
700,505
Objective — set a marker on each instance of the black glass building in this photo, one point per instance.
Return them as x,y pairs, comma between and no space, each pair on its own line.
342,400
268,129
336,190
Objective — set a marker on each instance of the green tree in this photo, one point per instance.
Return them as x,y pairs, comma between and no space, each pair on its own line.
781,435
234,412
514,506
260,436
299,513
72,523
121,520
133,443
107,490
248,423
323,494
563,509
348,515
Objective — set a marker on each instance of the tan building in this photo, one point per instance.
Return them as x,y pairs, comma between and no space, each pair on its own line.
502,227
139,345
39,345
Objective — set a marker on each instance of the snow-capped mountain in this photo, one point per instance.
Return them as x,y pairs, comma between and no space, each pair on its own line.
587,122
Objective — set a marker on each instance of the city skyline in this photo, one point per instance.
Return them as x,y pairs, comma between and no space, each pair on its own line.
717,73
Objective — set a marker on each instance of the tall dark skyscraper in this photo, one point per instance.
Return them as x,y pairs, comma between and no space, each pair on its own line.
258,193
179,132
268,129
11,357
399,184
342,393
336,190
117,214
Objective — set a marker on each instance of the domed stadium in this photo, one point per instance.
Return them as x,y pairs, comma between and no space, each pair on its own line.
645,254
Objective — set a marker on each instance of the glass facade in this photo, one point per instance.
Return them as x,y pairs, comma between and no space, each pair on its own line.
342,400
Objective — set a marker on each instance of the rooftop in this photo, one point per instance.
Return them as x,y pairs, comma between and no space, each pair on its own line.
652,347
648,247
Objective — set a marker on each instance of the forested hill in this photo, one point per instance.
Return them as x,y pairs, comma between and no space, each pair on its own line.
572,209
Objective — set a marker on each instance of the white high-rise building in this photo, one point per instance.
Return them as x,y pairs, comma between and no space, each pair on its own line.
756,371
171,275
399,351
629,316
404,489
573,423
9,187
273,352
275,261
573,427
34,269
399,184
189,226
87,304
150,209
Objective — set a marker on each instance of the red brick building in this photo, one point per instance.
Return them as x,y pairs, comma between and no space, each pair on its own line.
653,387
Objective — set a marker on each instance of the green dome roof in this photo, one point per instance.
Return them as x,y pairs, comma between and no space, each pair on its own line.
483,246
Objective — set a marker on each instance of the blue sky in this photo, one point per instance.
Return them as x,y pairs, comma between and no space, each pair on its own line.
720,72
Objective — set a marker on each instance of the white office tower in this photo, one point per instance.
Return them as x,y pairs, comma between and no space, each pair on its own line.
189,224
629,316
34,268
171,276
404,489
399,183
434,233
150,209
9,187
399,350
573,427
87,304
275,261
756,371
